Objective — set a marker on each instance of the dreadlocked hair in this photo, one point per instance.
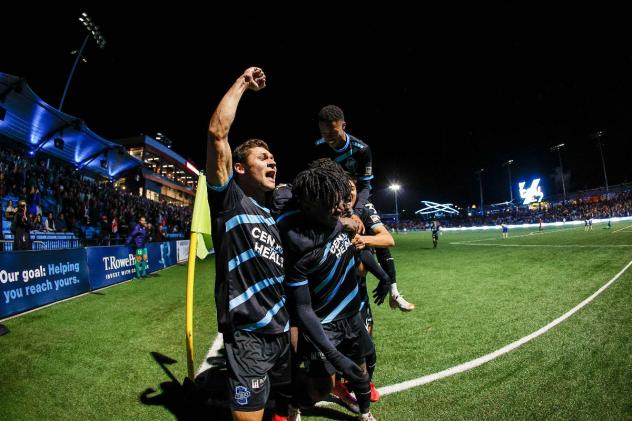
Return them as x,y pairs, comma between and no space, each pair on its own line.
324,182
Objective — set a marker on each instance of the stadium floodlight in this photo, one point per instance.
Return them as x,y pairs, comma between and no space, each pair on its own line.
598,135
93,31
557,149
508,164
395,187
480,172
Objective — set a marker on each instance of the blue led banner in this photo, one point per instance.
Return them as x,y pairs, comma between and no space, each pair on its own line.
30,279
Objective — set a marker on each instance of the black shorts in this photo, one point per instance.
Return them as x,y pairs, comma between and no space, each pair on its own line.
435,236
349,336
255,363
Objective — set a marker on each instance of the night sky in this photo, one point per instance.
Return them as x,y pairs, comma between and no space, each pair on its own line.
436,94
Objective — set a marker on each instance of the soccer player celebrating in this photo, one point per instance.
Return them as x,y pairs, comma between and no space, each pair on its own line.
354,156
249,294
138,239
322,284
375,237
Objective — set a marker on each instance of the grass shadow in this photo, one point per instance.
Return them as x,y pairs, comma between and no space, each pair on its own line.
203,399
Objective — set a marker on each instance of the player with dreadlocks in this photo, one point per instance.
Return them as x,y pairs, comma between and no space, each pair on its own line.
320,278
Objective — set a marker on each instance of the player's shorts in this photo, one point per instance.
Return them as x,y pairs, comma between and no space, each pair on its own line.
255,363
349,336
435,236
365,313
141,251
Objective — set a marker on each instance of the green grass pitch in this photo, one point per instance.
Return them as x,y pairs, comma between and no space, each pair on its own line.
91,357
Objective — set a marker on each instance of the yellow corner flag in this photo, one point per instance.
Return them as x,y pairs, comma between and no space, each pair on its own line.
201,221
199,246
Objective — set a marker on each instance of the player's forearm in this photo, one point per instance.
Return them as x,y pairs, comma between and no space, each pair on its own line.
309,321
224,114
219,126
380,240
312,327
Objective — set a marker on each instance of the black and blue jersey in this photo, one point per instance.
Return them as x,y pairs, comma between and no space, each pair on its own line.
323,260
355,158
249,292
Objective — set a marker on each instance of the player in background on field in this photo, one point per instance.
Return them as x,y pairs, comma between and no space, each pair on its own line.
138,239
436,227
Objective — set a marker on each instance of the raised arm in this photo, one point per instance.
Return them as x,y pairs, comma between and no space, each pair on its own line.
218,156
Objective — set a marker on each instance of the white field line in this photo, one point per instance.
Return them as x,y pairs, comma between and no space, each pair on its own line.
387,390
409,384
213,351
621,229
547,245
516,236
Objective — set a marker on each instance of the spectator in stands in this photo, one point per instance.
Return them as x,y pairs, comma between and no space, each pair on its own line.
114,230
38,224
49,224
10,211
104,234
34,201
3,189
21,228
61,223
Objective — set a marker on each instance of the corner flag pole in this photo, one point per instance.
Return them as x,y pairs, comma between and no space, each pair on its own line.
199,246
189,305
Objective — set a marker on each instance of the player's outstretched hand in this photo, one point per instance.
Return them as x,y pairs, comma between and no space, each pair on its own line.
380,292
255,78
350,370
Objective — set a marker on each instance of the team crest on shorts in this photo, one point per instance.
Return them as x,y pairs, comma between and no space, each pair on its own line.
241,395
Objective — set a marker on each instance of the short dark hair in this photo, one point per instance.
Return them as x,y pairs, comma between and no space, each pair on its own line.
331,113
241,152
324,182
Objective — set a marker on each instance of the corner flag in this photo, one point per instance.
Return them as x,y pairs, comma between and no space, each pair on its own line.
199,246
201,221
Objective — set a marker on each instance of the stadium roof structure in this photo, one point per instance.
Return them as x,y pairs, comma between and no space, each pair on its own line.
27,119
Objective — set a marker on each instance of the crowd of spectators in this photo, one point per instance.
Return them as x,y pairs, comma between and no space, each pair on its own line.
61,199
584,207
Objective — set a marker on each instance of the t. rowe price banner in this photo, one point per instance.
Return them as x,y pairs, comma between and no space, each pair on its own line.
110,265
30,279
114,264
